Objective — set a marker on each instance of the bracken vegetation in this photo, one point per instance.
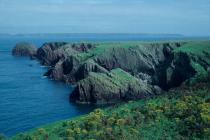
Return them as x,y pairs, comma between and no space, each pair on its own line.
182,113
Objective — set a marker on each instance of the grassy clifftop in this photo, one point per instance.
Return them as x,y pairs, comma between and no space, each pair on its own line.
199,53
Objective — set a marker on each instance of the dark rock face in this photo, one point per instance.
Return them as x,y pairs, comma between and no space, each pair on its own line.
146,62
117,73
83,47
149,63
24,49
179,70
65,64
47,53
72,70
154,65
111,88
50,53
89,66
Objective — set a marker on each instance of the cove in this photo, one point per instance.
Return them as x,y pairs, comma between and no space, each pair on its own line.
27,99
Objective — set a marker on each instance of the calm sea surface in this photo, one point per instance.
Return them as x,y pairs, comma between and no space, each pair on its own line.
27,99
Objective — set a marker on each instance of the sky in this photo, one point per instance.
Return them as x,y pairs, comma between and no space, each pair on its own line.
187,17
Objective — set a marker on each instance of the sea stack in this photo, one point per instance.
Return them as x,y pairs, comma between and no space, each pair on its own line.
24,49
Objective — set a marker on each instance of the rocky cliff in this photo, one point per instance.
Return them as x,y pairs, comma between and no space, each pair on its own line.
24,49
113,72
112,87
98,73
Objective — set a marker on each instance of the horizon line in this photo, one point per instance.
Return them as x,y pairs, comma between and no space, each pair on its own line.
177,34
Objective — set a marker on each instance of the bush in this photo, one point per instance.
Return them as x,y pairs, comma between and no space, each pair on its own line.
2,137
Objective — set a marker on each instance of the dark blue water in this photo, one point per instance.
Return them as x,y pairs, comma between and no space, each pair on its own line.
27,99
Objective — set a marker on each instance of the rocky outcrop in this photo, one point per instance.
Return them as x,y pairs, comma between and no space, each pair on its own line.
68,67
72,70
113,74
147,62
50,53
141,58
179,70
113,87
24,49
154,65
136,60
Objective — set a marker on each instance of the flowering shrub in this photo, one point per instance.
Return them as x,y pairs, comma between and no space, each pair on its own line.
181,114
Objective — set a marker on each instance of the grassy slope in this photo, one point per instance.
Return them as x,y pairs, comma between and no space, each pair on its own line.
200,54
182,113
100,48
116,79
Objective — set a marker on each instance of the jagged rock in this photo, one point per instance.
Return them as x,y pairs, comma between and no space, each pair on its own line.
145,77
68,67
56,72
83,47
148,66
87,67
71,70
48,55
148,59
136,60
111,74
24,49
142,58
179,70
116,86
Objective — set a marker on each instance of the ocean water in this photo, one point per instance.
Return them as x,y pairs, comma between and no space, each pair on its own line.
27,99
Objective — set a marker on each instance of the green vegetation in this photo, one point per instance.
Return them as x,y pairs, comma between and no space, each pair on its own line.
199,53
181,113
114,80
101,47
198,48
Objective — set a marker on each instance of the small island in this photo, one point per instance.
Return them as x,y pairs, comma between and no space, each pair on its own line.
24,49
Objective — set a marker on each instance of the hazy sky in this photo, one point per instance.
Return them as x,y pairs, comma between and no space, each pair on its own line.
189,17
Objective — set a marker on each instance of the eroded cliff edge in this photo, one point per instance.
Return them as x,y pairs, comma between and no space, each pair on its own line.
113,72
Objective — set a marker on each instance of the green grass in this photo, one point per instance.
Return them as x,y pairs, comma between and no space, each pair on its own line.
100,48
195,47
115,80
199,51
182,113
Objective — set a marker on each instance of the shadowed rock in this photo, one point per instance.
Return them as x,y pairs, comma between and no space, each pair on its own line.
50,53
47,53
114,74
116,86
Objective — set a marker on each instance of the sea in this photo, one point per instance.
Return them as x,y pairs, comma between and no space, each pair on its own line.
27,98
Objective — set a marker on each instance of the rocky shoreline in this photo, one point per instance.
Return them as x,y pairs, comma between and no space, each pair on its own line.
106,73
